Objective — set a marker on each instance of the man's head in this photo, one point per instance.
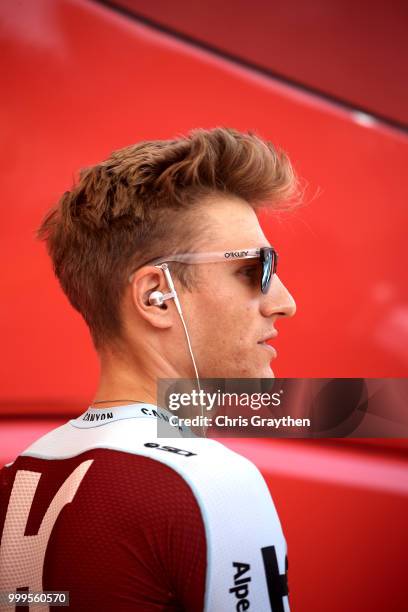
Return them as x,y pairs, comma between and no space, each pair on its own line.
155,199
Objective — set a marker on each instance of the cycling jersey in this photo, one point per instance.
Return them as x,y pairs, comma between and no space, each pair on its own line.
122,519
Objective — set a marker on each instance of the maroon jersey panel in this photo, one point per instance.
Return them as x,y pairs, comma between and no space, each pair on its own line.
132,538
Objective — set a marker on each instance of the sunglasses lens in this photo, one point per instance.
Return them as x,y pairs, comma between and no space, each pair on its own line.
269,263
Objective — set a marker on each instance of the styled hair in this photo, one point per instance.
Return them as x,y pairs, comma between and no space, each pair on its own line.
138,205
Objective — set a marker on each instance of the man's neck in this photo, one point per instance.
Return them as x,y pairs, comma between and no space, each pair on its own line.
125,379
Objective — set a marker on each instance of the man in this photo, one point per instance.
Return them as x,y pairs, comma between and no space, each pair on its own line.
159,248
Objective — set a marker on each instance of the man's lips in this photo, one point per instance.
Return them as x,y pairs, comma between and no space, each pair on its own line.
268,347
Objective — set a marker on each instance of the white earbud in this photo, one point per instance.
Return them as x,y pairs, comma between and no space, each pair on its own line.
156,298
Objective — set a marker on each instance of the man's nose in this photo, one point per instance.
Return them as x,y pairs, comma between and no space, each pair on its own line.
278,300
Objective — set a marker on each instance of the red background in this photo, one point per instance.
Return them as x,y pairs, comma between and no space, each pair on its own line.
80,80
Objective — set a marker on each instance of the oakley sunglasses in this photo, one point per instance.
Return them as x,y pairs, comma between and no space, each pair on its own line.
267,256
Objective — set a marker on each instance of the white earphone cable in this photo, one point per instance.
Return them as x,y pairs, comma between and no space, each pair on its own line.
172,288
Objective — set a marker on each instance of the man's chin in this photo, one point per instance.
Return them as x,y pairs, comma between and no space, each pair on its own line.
256,371
262,372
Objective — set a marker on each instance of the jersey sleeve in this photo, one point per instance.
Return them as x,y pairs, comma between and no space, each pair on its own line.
247,550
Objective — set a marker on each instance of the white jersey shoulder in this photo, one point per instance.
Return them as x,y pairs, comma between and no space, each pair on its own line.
246,549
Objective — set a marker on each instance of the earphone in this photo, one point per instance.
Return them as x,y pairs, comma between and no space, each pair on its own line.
156,298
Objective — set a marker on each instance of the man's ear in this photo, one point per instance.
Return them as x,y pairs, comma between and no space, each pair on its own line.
144,282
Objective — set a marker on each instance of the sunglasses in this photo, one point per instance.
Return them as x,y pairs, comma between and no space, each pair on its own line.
267,256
